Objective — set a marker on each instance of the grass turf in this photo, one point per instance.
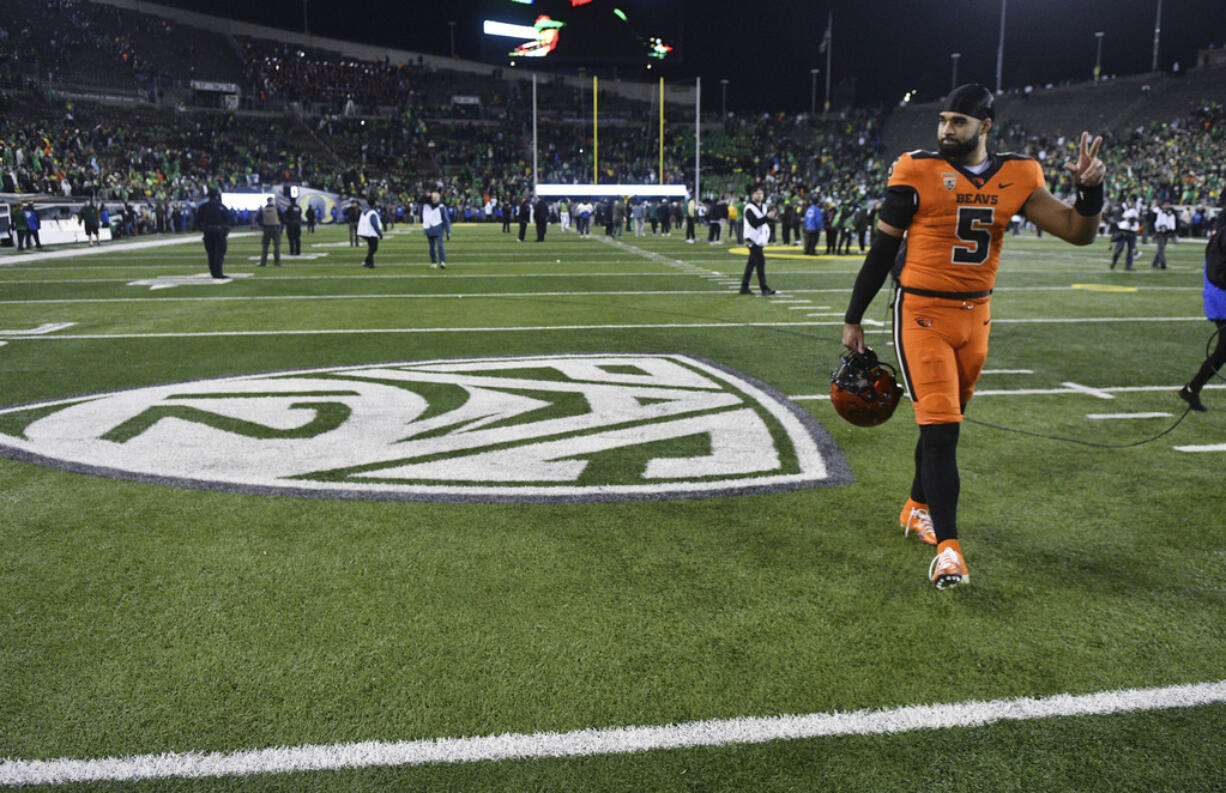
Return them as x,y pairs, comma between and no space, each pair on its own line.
143,618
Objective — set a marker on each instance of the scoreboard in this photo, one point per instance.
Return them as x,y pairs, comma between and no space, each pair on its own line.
581,31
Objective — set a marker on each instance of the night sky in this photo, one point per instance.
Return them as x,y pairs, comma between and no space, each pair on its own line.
767,48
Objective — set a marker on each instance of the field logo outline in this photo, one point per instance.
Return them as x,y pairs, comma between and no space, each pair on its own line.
585,427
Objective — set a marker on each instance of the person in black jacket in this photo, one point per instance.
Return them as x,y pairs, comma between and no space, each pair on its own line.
540,212
665,214
352,214
214,220
525,212
293,227
789,220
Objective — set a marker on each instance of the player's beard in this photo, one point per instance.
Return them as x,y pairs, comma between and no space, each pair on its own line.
959,149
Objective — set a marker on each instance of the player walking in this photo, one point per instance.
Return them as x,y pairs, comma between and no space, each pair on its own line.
954,206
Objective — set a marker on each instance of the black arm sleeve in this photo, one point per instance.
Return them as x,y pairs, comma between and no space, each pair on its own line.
899,206
877,265
755,220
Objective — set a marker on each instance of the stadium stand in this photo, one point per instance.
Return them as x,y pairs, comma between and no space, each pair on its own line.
99,100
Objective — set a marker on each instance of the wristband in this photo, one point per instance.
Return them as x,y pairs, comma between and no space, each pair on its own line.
1089,200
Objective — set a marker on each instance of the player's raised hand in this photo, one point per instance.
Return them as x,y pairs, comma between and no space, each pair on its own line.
1088,170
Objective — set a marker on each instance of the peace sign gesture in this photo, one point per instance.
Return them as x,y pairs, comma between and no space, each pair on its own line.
1088,170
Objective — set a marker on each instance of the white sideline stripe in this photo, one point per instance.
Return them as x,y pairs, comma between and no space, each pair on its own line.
1030,391
537,328
365,277
511,329
46,327
1110,416
1007,371
448,296
1213,447
607,741
111,247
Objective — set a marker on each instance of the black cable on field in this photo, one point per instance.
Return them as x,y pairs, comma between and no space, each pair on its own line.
1098,444
1209,345
1079,441
889,317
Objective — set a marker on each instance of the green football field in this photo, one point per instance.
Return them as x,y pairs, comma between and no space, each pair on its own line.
576,516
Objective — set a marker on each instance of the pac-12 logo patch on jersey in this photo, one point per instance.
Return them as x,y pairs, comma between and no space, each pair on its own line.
950,180
604,427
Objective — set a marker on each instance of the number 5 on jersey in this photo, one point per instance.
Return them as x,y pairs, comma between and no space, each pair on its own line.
975,228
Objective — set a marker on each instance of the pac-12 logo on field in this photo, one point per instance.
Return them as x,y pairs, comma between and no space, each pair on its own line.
540,428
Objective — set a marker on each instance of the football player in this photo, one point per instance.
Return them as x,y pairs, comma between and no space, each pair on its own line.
953,207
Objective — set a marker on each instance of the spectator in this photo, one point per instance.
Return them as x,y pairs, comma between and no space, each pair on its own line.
813,227
270,218
437,224
757,236
215,221
370,230
32,227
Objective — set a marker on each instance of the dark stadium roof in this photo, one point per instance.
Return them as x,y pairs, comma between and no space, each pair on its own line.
888,47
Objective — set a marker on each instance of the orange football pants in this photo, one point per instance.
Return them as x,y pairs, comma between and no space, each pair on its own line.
942,345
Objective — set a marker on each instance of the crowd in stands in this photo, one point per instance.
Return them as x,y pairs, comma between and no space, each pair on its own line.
389,133
72,41
82,149
1179,160
78,149
278,72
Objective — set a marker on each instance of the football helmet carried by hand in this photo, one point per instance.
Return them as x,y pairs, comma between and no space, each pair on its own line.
864,390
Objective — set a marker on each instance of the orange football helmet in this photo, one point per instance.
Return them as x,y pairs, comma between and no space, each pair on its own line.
864,390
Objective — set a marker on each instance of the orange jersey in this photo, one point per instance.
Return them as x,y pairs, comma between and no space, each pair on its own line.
954,240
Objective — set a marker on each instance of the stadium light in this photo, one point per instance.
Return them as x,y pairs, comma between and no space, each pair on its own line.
1098,59
954,82
1000,48
1153,67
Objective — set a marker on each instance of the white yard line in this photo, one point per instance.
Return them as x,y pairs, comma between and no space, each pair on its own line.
1085,389
1098,392
606,741
108,247
1212,447
1103,392
1122,416
284,275
377,296
492,329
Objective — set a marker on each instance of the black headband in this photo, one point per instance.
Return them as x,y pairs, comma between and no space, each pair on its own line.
971,100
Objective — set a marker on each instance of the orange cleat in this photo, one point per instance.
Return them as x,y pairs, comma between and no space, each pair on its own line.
915,518
948,568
